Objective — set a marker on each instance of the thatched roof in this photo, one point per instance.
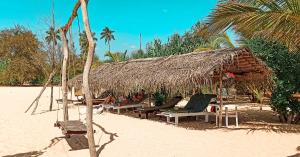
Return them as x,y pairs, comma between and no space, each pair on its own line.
175,73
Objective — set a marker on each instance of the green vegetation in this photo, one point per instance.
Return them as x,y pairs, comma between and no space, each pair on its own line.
286,68
199,37
274,20
107,35
273,27
23,60
84,45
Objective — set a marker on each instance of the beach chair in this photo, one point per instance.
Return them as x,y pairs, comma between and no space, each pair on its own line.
129,106
169,104
195,107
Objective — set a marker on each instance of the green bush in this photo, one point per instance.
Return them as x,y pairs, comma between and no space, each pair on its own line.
286,76
160,98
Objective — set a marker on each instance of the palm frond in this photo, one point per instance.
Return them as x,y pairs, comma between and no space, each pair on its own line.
277,20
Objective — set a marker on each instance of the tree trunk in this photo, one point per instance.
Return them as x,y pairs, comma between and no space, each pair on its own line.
51,97
41,92
108,46
221,97
85,80
53,55
64,75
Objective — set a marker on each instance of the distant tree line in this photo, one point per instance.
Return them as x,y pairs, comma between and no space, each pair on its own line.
27,60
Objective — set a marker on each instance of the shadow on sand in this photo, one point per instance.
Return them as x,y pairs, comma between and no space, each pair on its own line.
297,154
250,120
28,154
36,153
111,138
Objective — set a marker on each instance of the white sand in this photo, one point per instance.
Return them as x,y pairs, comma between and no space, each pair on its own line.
22,133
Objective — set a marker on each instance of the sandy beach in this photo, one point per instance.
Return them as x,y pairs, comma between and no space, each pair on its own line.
24,135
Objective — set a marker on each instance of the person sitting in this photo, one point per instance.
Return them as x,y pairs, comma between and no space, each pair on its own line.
109,99
123,101
139,96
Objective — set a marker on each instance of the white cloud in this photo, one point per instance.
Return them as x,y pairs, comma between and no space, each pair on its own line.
133,46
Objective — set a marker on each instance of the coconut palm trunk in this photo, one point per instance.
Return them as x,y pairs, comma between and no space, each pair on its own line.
85,82
108,46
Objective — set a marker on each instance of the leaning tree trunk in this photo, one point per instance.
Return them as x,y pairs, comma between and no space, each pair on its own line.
64,75
36,100
85,80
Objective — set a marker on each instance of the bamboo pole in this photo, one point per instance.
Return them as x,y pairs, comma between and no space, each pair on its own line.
85,82
221,96
64,75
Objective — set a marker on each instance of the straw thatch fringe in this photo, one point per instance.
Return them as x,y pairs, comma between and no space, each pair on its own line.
177,73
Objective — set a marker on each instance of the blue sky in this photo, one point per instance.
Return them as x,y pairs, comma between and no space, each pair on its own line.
128,18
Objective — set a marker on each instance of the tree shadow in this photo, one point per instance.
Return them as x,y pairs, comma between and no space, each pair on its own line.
249,120
27,154
77,142
46,111
111,138
36,153
297,154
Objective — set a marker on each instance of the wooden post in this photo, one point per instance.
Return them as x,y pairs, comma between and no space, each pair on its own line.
149,103
85,80
64,75
221,96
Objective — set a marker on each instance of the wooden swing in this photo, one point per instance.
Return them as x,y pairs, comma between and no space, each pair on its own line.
68,127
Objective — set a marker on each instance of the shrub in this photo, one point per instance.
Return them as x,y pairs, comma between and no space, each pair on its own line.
286,77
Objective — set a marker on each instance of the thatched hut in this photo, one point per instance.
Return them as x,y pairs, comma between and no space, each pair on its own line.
177,73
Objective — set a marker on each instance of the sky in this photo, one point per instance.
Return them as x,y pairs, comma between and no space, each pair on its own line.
128,18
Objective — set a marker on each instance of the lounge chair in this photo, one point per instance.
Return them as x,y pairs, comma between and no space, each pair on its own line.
169,104
195,107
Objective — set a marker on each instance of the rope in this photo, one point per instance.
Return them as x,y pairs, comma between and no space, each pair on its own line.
78,112
78,24
57,111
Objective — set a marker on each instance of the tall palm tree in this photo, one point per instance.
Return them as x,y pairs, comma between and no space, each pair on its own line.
277,20
107,35
84,44
52,36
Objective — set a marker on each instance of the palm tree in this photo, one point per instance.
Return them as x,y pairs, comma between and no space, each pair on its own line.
84,44
216,42
107,35
116,57
277,20
52,36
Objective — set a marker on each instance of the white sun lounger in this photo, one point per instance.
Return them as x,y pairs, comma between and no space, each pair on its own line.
176,115
118,108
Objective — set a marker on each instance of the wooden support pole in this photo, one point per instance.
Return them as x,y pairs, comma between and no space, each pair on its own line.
85,80
221,96
149,102
64,75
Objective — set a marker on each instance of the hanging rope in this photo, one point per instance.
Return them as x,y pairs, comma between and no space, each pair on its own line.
78,24
57,112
